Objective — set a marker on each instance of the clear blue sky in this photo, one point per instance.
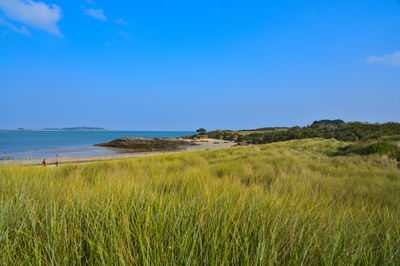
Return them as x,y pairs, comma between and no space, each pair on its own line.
180,65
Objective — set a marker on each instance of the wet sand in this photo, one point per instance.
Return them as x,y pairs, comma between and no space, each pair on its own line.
203,144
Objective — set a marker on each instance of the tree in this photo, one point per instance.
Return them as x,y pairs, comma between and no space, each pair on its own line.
202,131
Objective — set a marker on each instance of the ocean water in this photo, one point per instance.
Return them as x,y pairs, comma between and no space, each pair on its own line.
38,144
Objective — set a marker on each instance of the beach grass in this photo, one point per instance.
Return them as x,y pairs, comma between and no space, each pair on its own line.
282,203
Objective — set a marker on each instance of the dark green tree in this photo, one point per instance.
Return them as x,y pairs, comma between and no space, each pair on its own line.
201,131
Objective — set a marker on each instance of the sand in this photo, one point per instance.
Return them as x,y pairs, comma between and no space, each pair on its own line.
203,144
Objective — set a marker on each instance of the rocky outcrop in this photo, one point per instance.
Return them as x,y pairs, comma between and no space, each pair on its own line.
145,144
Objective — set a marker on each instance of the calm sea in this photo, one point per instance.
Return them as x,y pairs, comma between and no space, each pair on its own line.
37,144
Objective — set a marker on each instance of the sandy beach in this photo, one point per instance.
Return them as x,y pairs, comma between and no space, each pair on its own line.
202,144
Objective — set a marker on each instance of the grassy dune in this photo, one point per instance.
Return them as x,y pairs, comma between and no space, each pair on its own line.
285,203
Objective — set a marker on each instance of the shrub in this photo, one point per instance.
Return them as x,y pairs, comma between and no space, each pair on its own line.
201,131
382,148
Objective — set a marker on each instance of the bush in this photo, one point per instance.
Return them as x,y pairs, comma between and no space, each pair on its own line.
201,131
337,129
382,148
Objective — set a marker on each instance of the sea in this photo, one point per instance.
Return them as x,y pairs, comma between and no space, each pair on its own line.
21,144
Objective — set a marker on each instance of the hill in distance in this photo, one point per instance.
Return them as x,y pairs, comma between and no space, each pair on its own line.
68,129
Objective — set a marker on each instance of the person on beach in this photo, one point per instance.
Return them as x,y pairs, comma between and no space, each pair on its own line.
44,162
57,161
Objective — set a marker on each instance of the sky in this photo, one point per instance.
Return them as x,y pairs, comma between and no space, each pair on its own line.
181,65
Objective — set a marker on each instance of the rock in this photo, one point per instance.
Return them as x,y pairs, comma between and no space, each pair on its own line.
145,144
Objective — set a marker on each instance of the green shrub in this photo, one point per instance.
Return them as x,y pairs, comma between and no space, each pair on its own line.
382,148
327,129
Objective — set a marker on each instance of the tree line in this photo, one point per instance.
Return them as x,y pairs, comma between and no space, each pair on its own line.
336,129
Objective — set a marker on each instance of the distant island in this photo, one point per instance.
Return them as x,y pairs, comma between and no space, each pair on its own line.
67,129
80,129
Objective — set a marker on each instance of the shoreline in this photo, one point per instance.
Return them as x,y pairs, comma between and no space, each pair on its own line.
201,144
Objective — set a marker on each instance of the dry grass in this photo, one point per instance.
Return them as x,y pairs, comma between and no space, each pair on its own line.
281,203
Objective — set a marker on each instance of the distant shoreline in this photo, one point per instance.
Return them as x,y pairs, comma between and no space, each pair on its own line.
202,144
104,130
17,144
59,129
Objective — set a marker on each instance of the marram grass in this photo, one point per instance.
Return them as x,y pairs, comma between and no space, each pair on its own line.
282,203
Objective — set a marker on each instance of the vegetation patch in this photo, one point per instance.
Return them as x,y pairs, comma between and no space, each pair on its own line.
383,146
328,129
285,203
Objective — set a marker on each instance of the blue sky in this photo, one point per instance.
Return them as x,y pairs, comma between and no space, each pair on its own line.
180,65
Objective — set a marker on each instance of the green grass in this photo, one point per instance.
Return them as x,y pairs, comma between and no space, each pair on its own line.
388,145
248,132
281,203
